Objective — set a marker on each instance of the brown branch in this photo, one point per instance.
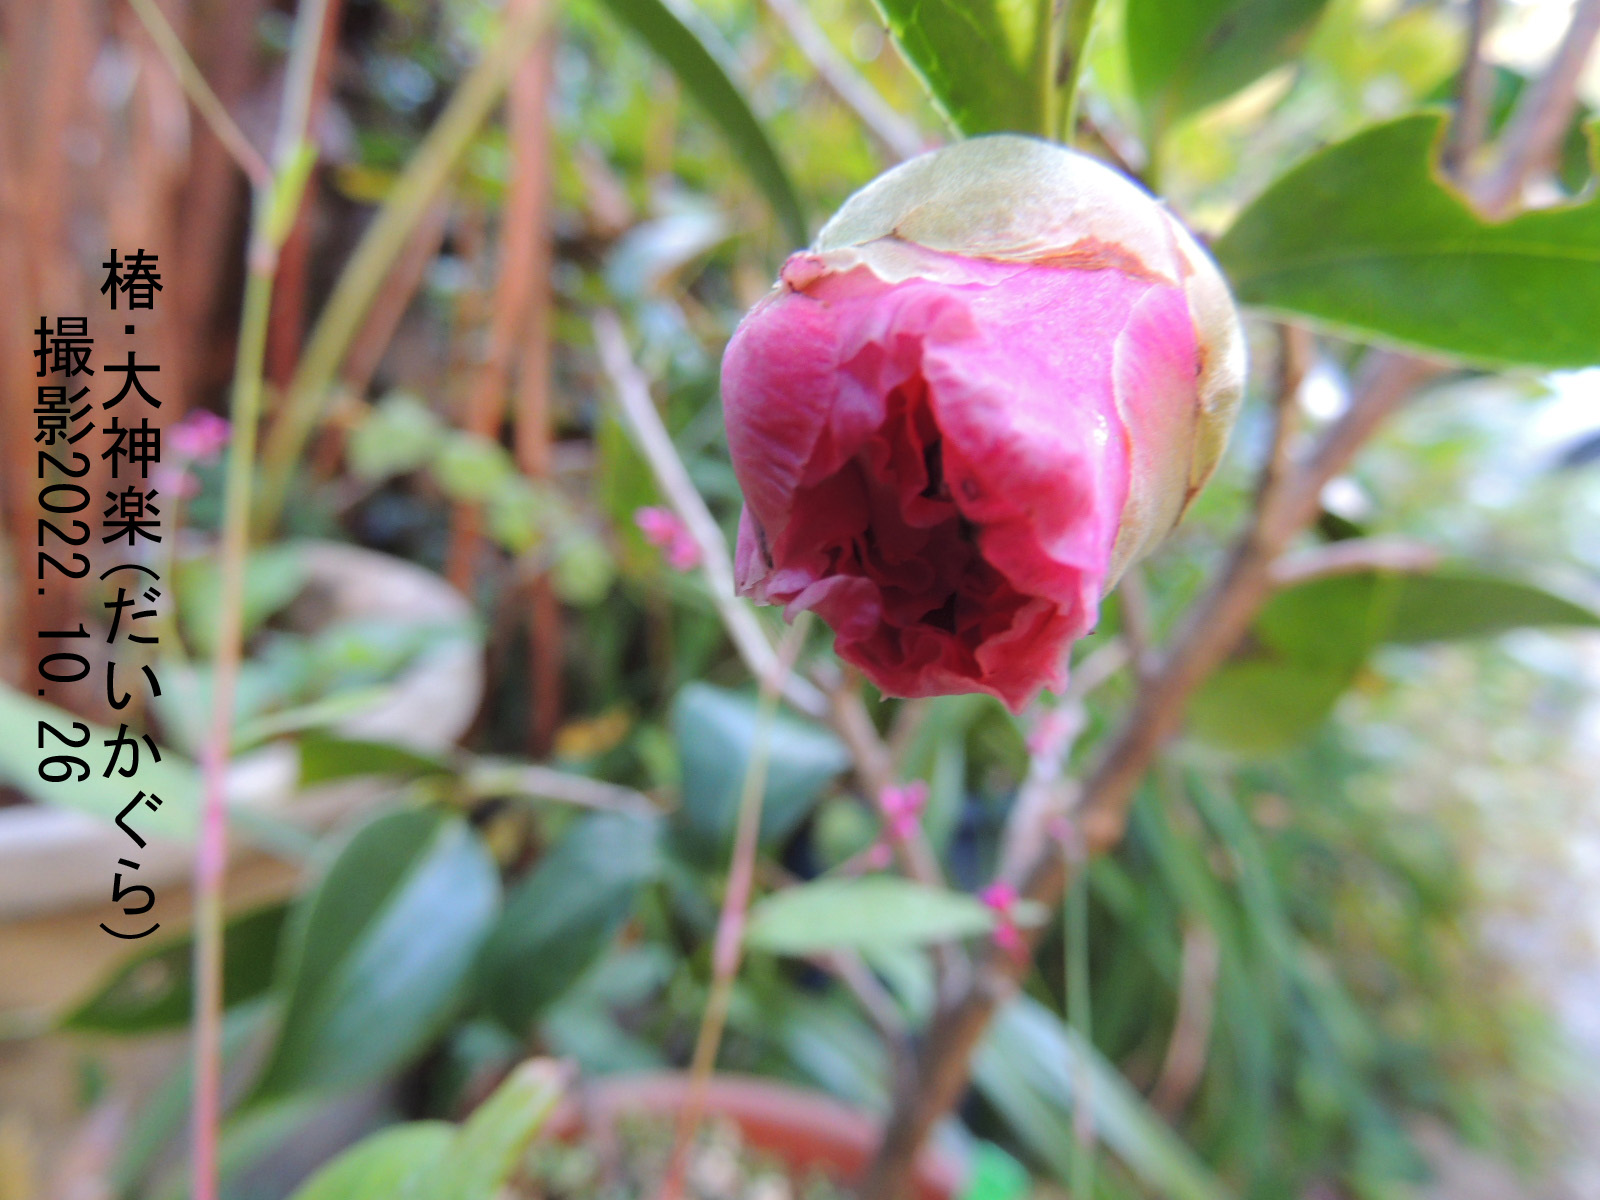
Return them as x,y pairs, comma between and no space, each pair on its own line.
1539,123
1473,93
1185,1061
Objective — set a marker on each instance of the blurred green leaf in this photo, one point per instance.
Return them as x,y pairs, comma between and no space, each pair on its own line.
1309,642
378,950
1461,602
273,576
976,58
470,466
400,434
155,990
872,912
1186,54
1364,237
175,780
702,61
325,757
560,919
1033,1070
715,731
1305,649
483,1154
385,1166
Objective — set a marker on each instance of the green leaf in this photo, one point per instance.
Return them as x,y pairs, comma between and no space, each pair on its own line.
400,434
870,913
325,757
175,780
1366,238
1186,54
155,990
1305,649
377,953
382,1167
702,61
1462,602
715,731
976,59
273,576
1032,1069
560,919
484,1153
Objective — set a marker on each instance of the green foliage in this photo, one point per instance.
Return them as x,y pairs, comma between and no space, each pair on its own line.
431,1160
564,914
379,950
1035,1070
977,59
1365,238
1309,643
155,989
701,61
1186,54
871,912
715,731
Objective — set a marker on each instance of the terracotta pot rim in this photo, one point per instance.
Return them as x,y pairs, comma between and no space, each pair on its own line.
802,1127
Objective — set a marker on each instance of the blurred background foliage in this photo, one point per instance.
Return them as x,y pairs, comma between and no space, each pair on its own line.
1344,947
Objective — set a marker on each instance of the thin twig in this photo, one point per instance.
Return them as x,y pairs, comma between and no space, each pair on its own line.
1539,123
895,137
211,849
206,102
633,395
1353,557
1474,92
727,948
491,777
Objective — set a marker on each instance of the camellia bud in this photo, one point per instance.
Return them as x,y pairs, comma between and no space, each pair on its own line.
1000,376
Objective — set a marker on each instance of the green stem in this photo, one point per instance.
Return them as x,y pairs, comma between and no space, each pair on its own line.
1046,53
1074,49
423,179
268,227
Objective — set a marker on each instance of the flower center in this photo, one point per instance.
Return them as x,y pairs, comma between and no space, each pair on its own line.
889,516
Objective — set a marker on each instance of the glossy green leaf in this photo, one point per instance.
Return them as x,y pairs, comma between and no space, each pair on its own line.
700,58
1186,54
385,1166
1365,238
175,780
877,911
715,731
378,951
1033,1070
976,59
155,990
560,919
1461,602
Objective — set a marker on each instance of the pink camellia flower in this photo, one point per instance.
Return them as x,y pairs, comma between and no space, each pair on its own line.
666,530
999,377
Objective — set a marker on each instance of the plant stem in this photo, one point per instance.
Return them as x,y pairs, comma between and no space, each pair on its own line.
206,102
1075,36
1046,52
1075,932
267,230
725,954
385,238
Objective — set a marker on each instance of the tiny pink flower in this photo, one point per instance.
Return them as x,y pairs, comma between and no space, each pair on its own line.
1001,375
199,437
1051,732
174,480
1002,898
878,856
902,806
664,528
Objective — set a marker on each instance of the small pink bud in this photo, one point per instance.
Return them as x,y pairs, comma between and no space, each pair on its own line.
999,376
902,806
1051,732
665,529
199,437
1002,898
878,856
